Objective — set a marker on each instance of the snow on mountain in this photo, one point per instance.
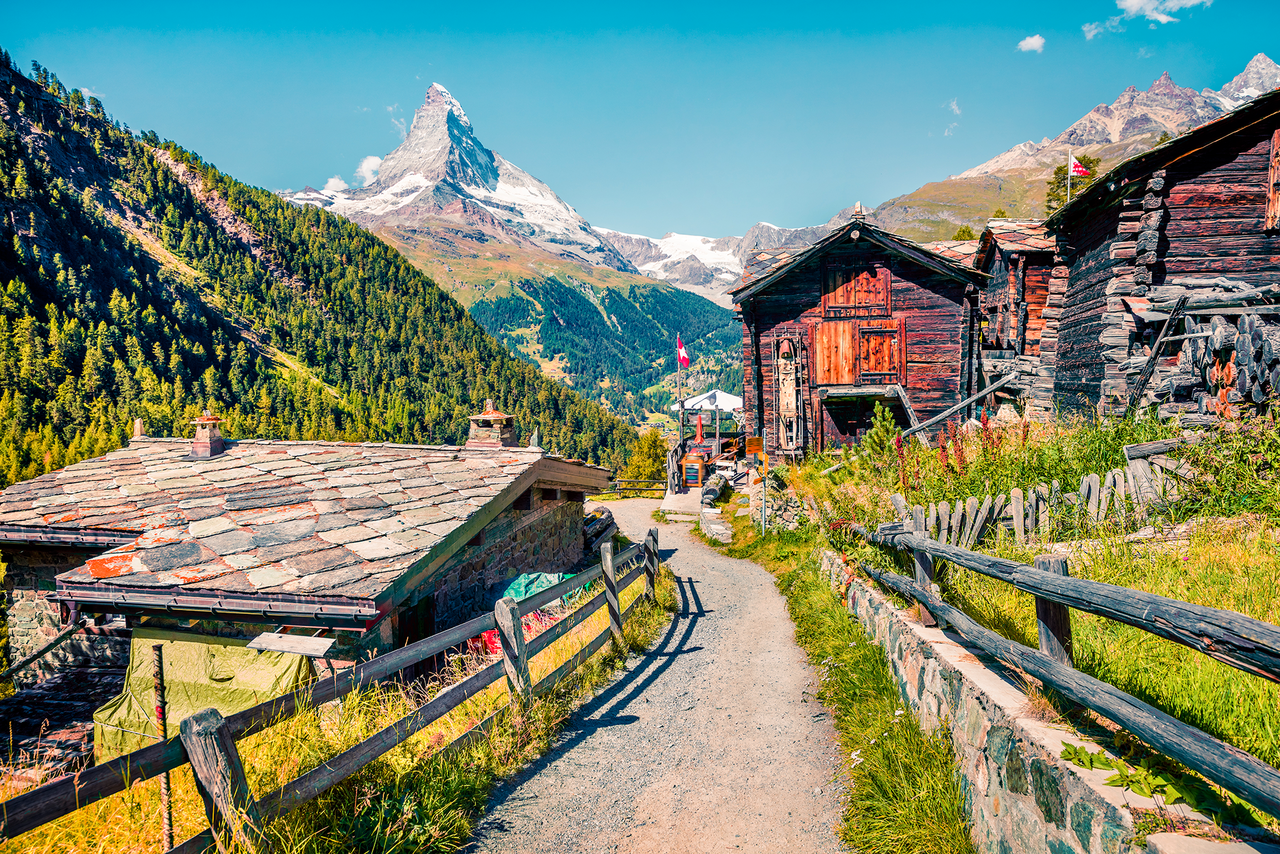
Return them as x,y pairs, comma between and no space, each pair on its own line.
442,172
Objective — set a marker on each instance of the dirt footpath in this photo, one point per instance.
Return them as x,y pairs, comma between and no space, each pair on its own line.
711,741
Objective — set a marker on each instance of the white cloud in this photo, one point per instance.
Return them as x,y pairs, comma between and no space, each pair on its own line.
953,106
334,184
1031,43
368,169
951,129
1155,11
90,93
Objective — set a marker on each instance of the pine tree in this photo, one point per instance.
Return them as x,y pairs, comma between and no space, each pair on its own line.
1056,192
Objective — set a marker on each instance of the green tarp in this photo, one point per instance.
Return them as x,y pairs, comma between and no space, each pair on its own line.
200,672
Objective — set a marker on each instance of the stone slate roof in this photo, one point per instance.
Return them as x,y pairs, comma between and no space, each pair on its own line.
1013,235
957,250
764,261
297,520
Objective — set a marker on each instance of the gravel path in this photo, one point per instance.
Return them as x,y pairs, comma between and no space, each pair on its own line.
708,742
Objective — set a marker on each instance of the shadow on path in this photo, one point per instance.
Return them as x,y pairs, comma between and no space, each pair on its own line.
603,710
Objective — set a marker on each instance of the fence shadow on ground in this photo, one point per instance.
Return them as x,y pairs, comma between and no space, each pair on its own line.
604,709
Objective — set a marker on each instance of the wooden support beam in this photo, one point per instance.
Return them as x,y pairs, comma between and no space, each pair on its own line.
515,657
1052,619
998,384
611,594
923,563
228,801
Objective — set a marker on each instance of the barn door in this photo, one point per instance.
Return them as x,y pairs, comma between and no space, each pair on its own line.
880,349
861,352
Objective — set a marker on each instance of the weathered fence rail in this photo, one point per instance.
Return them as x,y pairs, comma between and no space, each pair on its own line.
216,781
1232,638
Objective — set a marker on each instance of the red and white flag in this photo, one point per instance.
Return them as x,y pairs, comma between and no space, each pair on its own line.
1078,170
682,355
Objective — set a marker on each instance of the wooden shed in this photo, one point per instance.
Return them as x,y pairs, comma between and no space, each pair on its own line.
860,316
1198,218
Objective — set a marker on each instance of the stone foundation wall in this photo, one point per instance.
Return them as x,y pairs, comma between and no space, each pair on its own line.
547,538
1021,797
33,617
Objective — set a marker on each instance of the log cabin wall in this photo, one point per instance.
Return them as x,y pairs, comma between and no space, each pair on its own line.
1165,229
924,336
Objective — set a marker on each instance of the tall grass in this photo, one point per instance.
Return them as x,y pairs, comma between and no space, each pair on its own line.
412,799
903,788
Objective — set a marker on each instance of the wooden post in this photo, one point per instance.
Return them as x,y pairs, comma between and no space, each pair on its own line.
611,594
228,802
166,810
1053,619
651,563
924,564
515,660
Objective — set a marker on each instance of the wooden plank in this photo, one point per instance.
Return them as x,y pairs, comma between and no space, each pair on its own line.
900,505
1042,508
219,775
311,647
1227,636
1104,498
1053,621
651,563
1233,769
515,657
932,523
558,591
1143,450
1095,497
944,520
983,520
957,516
970,520
1140,387
1019,515
1117,478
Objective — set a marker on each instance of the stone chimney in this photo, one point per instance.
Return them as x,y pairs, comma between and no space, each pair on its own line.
491,429
208,441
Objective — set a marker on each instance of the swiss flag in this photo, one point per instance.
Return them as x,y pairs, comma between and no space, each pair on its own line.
682,355
1078,170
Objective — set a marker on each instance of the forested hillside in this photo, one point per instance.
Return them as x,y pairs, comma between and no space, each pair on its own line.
608,334
127,295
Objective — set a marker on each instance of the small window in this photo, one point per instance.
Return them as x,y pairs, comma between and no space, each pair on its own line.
857,291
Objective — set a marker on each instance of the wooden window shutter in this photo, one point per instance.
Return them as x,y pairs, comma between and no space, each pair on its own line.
1273,186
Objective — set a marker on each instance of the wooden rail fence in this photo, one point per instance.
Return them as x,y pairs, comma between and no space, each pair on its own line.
207,740
1232,638
1149,480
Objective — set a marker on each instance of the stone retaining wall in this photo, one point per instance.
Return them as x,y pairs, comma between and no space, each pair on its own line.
1021,797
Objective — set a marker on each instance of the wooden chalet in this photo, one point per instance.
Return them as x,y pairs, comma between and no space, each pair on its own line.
860,316
1197,218
379,543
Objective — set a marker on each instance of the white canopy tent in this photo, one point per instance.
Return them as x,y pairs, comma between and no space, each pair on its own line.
716,401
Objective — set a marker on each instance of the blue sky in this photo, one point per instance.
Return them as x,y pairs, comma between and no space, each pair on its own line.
648,118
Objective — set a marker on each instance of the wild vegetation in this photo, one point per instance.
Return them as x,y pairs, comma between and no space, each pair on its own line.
414,798
1226,557
123,296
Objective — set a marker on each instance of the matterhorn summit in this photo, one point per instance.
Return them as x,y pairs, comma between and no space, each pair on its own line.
441,175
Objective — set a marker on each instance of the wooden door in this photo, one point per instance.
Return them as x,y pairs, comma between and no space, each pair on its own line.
860,352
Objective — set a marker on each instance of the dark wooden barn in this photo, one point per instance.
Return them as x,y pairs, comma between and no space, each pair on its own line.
1196,217
862,316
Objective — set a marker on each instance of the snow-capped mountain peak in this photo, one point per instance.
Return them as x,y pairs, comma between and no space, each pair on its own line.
443,173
